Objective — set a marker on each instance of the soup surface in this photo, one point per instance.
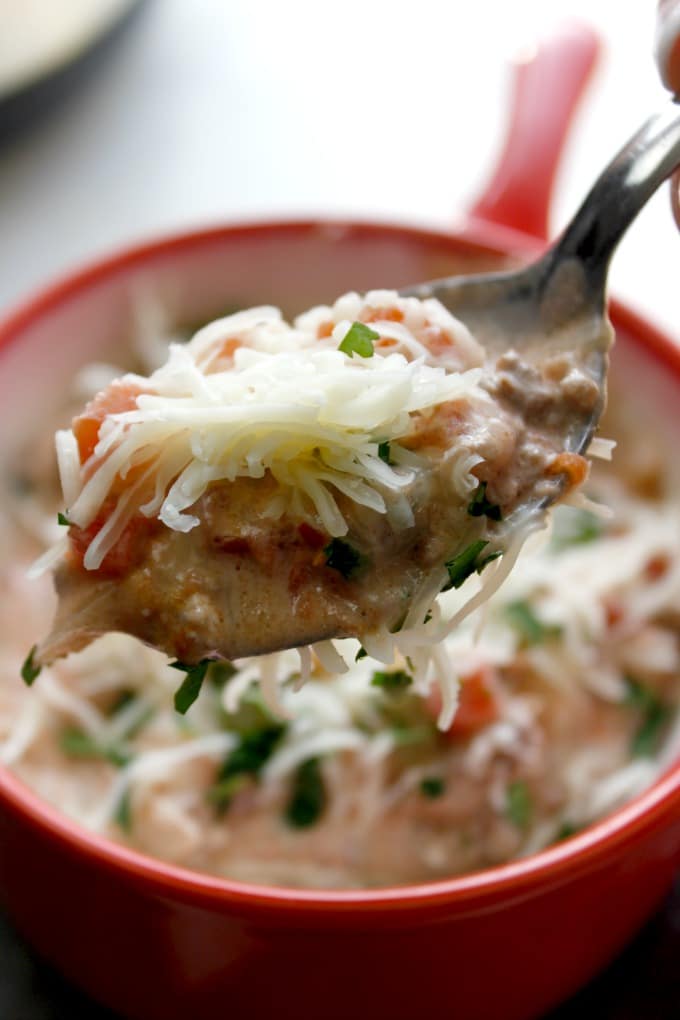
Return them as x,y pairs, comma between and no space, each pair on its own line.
568,702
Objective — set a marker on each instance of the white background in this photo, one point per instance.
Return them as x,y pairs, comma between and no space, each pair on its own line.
213,110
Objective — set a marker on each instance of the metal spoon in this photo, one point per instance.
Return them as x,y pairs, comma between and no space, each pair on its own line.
558,303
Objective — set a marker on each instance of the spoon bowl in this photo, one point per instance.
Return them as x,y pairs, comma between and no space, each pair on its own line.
558,303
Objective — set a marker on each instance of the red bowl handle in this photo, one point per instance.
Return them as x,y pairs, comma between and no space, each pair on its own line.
547,89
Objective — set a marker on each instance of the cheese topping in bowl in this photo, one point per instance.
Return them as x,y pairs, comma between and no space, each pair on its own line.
568,707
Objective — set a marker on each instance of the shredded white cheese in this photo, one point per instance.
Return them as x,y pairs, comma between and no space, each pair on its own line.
250,394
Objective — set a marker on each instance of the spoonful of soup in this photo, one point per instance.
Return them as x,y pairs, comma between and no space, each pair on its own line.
276,485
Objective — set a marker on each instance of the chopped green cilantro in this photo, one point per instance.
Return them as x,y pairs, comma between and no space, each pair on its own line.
361,654
531,630
655,714
78,744
29,670
464,564
405,736
486,560
308,796
343,557
384,452
222,793
518,806
221,672
391,680
138,718
244,762
565,831
252,752
574,526
251,714
479,505
190,687
63,520
123,813
359,340
432,787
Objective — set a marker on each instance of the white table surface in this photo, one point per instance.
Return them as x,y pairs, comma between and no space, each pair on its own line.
214,110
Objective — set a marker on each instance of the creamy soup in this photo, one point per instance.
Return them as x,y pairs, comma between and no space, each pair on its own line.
569,687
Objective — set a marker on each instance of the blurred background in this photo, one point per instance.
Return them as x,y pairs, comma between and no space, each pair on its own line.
192,112
215,110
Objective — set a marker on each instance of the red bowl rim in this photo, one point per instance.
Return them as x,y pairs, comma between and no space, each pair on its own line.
518,879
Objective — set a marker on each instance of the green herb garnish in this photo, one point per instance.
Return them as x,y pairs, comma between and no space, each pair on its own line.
343,557
220,673
252,752
137,719
518,806
63,520
359,340
29,670
432,787
221,794
464,564
405,736
244,763
574,526
78,744
250,715
565,831
361,654
479,505
190,687
655,714
308,797
391,680
384,452
486,560
123,813
531,630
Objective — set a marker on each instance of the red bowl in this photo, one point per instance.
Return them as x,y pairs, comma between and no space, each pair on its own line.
157,942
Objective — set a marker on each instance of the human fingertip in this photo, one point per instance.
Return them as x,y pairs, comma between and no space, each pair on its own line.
667,44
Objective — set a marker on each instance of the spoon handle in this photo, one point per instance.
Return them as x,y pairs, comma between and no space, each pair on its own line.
548,83
651,155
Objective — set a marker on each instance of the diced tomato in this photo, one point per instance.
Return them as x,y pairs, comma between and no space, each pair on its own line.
324,330
436,339
237,546
657,567
573,465
382,315
229,347
477,705
127,551
613,611
311,537
114,399
438,430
